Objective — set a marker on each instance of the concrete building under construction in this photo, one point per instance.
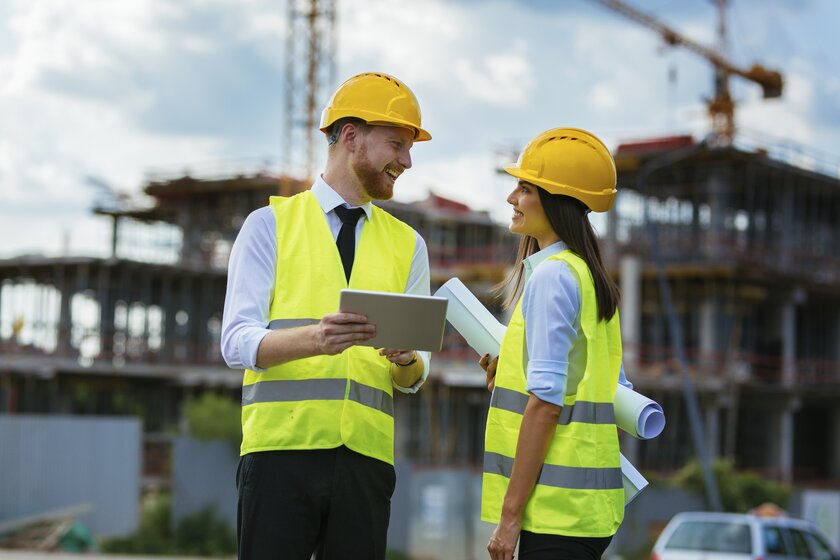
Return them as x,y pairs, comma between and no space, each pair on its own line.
748,242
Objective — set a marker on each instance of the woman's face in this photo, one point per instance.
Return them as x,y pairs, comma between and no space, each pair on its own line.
528,215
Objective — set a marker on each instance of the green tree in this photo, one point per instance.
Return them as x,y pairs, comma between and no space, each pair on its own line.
213,416
739,491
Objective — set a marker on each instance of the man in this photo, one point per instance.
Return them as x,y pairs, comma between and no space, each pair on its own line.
316,472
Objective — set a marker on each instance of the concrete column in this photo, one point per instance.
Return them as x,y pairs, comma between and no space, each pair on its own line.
62,282
631,311
784,235
712,414
789,336
780,448
717,189
610,240
115,232
834,446
786,441
837,345
708,343
105,299
167,306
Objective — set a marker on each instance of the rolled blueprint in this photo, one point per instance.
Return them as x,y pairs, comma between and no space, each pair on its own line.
633,480
637,415
479,328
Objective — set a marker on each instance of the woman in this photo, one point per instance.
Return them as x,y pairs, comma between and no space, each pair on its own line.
552,477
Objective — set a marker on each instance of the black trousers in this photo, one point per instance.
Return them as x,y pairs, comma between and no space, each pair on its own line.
537,546
333,502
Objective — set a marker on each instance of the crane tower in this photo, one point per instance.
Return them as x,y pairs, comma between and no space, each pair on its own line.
309,73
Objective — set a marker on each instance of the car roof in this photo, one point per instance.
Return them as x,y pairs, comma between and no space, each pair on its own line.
740,517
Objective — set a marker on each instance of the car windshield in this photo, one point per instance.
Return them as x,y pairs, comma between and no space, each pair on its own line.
717,536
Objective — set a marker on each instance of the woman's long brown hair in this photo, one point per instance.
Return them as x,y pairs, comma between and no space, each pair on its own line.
570,221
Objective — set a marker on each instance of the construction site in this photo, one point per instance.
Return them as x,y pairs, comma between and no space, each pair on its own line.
745,235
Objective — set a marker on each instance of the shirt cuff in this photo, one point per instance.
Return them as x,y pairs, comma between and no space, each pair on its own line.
546,380
249,343
426,357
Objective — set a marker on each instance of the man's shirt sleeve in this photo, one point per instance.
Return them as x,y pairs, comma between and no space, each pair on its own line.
251,274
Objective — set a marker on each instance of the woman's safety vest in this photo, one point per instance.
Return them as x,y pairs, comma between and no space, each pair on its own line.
579,490
323,402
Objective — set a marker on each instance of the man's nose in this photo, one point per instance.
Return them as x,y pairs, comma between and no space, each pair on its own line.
405,158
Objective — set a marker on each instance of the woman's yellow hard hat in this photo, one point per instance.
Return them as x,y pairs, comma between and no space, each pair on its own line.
571,162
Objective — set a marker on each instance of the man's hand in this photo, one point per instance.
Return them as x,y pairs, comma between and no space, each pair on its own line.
339,331
398,356
489,367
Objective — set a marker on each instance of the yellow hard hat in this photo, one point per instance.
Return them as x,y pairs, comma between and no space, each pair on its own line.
377,99
572,162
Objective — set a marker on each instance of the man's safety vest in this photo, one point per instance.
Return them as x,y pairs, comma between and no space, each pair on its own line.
579,490
323,402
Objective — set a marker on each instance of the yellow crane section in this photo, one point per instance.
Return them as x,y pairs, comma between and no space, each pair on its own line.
721,106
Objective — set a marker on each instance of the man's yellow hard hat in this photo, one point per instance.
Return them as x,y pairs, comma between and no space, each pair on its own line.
572,162
377,99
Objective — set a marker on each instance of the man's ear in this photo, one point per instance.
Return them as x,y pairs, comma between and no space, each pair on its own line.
349,135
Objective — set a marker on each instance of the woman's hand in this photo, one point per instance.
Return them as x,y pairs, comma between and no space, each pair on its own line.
489,367
502,544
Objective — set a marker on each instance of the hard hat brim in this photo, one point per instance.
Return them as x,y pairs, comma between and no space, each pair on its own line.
327,120
597,202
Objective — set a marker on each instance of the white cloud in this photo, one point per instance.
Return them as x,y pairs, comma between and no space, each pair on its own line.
604,97
500,79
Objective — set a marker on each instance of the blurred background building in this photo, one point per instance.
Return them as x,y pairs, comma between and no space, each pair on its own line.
747,234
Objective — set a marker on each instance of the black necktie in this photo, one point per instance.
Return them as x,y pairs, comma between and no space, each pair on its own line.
346,239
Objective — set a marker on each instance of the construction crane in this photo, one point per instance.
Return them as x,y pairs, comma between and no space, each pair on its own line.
310,72
721,107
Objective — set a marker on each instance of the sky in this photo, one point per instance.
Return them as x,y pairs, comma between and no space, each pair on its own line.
97,94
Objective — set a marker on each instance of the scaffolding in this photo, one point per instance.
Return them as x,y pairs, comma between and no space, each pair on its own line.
751,253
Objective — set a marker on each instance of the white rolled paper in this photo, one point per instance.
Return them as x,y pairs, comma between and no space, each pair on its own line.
476,324
638,415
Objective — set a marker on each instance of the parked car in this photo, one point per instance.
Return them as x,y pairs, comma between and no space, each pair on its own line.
733,536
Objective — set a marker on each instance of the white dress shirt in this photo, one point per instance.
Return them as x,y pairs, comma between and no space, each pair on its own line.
251,270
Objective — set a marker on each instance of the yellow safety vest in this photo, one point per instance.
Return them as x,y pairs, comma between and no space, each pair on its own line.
579,490
323,402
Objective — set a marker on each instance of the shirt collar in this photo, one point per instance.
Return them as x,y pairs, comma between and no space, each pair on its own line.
540,256
329,199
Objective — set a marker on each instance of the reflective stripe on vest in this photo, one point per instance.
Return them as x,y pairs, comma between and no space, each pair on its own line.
287,390
582,411
279,324
581,478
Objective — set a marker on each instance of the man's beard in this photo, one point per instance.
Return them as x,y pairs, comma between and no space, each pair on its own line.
376,185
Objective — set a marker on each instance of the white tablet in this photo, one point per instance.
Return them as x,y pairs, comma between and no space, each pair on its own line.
402,321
